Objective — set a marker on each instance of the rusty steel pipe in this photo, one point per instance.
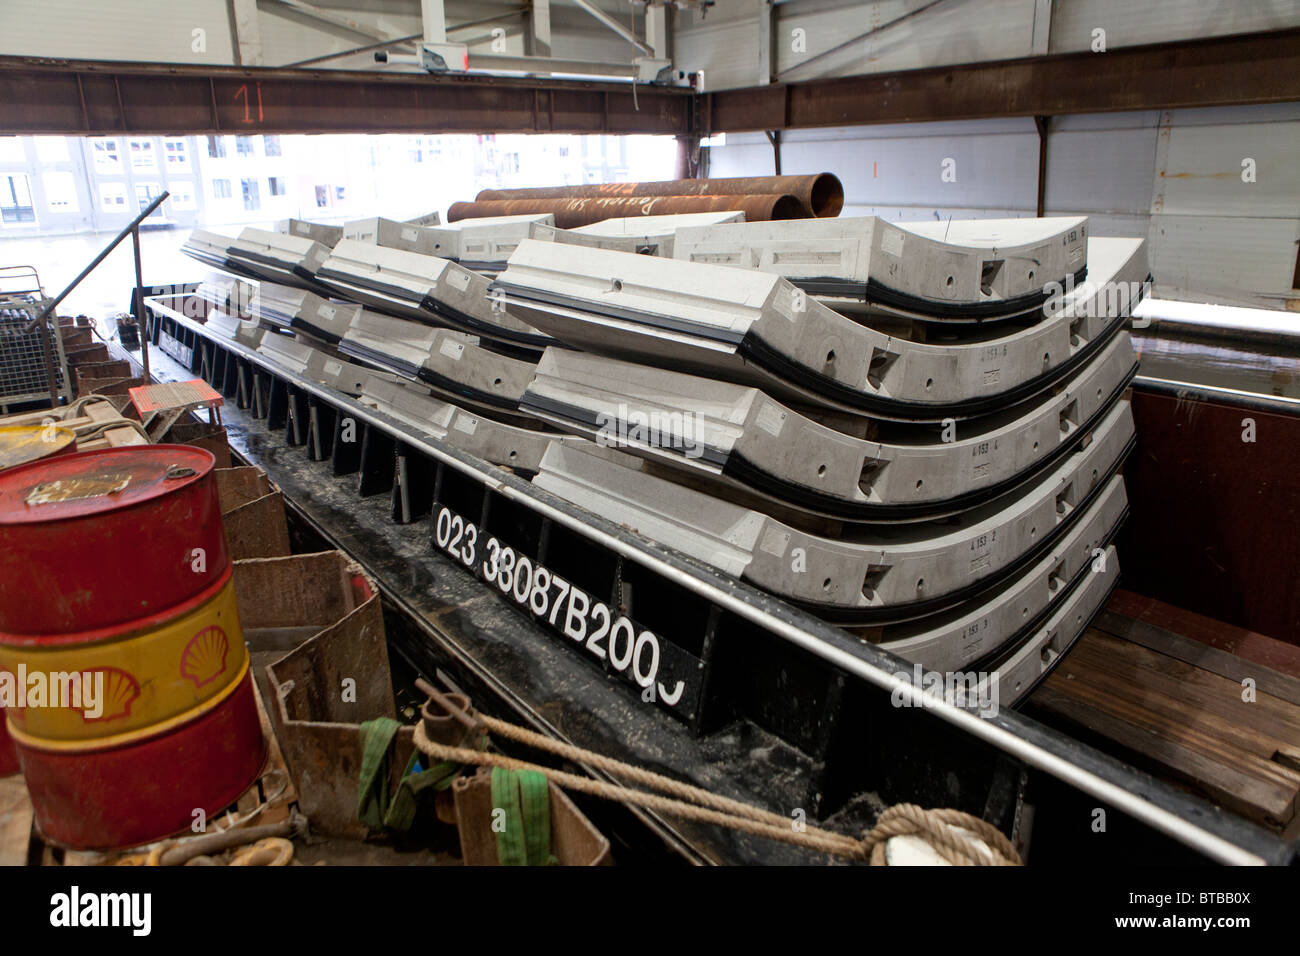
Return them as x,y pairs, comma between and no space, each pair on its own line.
821,194
571,212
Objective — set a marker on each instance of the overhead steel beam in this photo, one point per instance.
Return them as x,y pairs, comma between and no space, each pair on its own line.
81,97
1220,71
247,32
539,35
96,97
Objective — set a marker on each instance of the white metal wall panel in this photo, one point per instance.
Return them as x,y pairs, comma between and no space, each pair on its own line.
155,30
900,166
1210,234
1134,22
725,49
1227,259
952,31
1200,163
1102,166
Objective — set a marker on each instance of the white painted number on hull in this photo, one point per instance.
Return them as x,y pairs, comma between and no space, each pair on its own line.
561,604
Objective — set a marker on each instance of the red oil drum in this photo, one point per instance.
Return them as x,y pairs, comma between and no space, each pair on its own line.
20,444
131,702
8,756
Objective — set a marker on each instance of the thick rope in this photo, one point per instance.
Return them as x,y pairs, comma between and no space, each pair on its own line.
905,819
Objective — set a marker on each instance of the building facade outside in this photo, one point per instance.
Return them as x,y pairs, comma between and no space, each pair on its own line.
55,185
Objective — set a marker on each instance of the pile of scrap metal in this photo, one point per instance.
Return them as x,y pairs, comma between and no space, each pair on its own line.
913,431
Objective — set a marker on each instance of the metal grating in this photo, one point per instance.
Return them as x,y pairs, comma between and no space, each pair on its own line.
22,361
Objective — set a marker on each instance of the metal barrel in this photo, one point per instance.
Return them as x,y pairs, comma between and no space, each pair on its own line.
571,212
20,444
821,194
121,646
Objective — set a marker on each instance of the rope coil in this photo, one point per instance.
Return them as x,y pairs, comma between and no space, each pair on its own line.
959,838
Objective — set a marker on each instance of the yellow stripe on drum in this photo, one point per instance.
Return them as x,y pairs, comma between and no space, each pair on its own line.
135,736
131,683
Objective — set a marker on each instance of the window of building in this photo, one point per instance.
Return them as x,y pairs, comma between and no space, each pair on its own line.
52,149
276,186
107,158
271,145
112,197
216,147
11,150
16,198
178,154
244,145
182,194
145,193
252,197
142,155
322,196
340,193
60,191
221,188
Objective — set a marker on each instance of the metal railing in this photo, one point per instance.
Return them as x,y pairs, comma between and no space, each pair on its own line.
132,229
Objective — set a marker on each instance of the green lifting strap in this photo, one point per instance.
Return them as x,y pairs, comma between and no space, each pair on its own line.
374,808
524,838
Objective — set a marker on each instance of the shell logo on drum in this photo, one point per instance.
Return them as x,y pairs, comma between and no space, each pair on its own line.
120,691
204,657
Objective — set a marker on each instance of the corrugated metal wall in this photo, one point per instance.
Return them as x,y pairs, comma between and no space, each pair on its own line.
1175,178
819,38
154,30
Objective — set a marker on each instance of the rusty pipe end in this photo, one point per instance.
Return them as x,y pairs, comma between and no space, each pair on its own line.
827,196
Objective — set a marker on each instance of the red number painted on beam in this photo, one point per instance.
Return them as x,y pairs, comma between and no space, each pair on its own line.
243,91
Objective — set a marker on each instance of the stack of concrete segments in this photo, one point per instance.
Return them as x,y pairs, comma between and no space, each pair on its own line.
483,245
916,436
213,249
758,328
961,271
303,312
326,235
423,288
645,235
914,431
452,363
225,292
312,362
497,442
278,257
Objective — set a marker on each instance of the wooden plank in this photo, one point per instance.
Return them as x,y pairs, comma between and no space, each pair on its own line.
1227,650
1267,714
1191,719
1185,720
1163,735
16,816
1234,790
